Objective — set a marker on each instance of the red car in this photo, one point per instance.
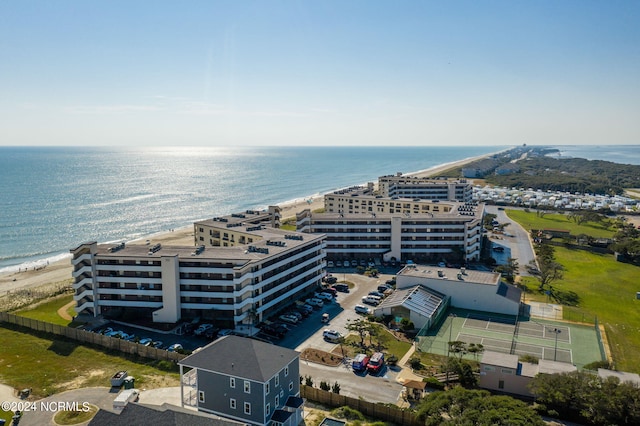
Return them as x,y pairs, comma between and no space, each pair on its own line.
375,363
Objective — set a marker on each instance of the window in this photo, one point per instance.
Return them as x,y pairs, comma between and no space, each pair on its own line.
507,371
200,396
500,384
277,402
232,403
267,410
290,386
266,388
232,382
286,371
247,386
247,408
277,380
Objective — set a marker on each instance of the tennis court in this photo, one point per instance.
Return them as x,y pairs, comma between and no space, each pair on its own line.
550,340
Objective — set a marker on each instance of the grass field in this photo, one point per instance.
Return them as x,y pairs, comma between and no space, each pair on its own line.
607,289
48,311
49,366
560,221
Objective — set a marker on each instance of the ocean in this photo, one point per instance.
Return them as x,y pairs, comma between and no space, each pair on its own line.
52,199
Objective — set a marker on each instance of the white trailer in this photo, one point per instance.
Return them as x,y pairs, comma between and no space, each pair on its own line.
125,397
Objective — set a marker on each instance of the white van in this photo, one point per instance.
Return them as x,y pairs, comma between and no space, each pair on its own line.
371,300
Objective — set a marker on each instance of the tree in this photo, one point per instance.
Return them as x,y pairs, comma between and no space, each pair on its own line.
598,401
325,386
361,327
335,388
549,269
460,406
510,270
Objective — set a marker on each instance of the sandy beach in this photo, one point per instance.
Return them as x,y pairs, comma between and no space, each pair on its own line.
59,273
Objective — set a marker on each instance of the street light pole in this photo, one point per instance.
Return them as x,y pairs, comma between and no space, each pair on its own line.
452,316
555,349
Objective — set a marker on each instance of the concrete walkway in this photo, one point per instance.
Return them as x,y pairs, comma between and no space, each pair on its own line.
406,374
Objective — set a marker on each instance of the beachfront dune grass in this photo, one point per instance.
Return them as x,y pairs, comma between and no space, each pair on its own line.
606,289
48,311
48,365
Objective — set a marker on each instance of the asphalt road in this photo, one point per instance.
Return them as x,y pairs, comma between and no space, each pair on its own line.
517,245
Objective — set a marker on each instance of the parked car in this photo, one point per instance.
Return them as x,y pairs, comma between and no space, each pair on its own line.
175,347
339,263
375,363
289,318
330,264
371,300
360,362
202,329
344,288
354,263
273,330
330,290
330,279
157,344
225,332
331,335
361,309
383,287
306,307
376,293
146,341
296,314
314,301
211,333
324,297
303,312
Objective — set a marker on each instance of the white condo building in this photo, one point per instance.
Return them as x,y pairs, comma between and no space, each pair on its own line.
232,286
405,230
427,188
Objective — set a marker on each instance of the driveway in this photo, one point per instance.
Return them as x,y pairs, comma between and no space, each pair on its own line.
516,244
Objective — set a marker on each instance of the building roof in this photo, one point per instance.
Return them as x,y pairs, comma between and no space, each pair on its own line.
281,416
134,414
454,275
239,255
414,384
332,422
241,357
555,367
418,299
499,359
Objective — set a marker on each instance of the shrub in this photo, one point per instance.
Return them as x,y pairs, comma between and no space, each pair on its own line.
415,363
347,413
434,383
325,386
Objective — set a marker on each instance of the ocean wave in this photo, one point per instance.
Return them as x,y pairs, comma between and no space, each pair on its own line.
34,263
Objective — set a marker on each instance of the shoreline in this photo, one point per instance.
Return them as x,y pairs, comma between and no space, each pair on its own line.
49,271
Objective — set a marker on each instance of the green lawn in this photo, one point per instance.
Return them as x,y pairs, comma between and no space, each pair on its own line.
48,311
50,366
530,221
391,345
607,289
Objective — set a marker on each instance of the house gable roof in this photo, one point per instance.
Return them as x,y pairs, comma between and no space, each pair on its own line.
241,357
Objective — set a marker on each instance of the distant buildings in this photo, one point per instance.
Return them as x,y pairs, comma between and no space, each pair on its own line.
245,380
426,188
232,285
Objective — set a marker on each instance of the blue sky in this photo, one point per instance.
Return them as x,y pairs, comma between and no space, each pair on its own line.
227,73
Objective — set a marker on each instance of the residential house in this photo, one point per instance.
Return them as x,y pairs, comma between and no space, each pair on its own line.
245,380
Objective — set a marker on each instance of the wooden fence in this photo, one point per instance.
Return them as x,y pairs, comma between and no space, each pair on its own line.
388,413
84,336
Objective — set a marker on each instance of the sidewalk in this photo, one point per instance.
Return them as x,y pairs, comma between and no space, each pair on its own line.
406,374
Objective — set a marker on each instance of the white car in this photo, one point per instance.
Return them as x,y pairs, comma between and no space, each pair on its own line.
361,309
314,301
330,264
202,329
289,318
331,335
174,347
324,296
146,341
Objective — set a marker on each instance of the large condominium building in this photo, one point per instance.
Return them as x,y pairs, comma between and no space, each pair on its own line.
235,229
357,201
231,286
453,231
426,188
